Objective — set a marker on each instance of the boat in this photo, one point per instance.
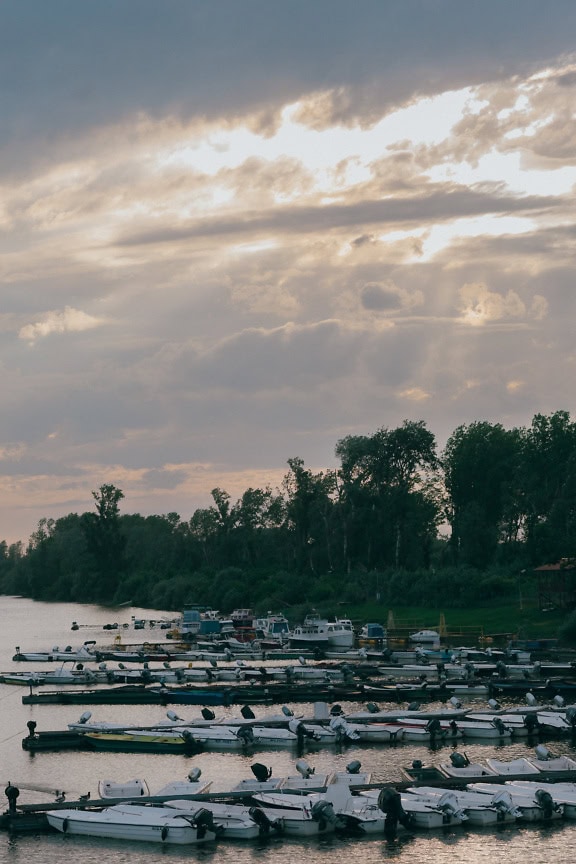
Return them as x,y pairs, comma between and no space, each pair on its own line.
272,631
533,807
231,821
423,813
296,816
367,732
322,633
520,766
480,810
135,742
425,637
562,794
136,822
372,635
193,785
85,652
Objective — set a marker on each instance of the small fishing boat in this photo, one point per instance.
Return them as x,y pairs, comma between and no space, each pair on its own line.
533,807
136,822
231,821
480,810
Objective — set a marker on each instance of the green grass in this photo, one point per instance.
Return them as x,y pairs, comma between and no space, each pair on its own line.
524,621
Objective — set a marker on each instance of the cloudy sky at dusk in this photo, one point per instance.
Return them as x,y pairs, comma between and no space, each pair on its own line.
234,231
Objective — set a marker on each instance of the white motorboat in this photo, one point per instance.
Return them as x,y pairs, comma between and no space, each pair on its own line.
135,822
323,633
513,767
86,651
554,723
232,821
532,806
367,732
296,816
563,794
494,730
122,790
480,810
466,770
515,722
426,637
54,677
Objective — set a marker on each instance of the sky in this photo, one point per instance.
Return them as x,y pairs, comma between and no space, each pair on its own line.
233,232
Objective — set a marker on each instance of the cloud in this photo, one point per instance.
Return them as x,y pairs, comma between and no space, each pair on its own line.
480,306
68,321
388,297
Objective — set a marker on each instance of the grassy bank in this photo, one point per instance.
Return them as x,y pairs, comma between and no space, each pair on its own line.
523,620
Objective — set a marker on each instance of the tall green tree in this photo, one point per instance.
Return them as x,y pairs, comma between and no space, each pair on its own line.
548,484
309,507
481,464
384,477
106,542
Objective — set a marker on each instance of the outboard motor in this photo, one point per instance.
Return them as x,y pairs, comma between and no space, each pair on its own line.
414,706
172,715
571,717
287,711
558,701
546,802
261,819
208,714
454,728
494,704
372,708
531,723
502,669
194,775
542,752
323,813
304,769
353,767
31,724
455,702
85,717
247,712
531,699
390,803
336,710
499,724
12,793
261,772
246,735
433,727
203,819
459,760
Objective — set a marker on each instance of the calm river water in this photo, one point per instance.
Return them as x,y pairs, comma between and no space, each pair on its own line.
40,626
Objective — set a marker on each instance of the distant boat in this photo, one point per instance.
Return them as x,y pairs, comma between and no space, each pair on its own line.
426,637
323,633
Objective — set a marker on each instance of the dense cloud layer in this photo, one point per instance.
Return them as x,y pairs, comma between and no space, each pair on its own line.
235,232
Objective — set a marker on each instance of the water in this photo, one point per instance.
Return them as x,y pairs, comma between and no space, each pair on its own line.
40,626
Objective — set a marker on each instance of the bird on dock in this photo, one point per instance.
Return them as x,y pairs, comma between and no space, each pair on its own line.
85,797
61,798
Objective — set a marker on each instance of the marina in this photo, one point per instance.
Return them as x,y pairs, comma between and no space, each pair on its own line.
75,776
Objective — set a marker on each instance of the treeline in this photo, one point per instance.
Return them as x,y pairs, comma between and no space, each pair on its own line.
396,521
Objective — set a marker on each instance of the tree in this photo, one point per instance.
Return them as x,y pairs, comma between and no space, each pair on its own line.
480,465
309,508
105,541
382,476
548,485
